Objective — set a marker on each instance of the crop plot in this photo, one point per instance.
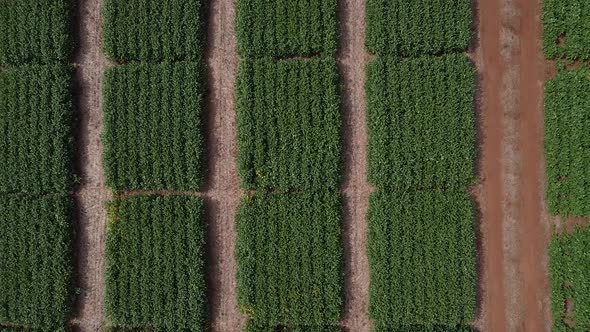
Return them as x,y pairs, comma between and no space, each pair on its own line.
289,257
423,259
567,143
35,261
422,328
154,31
34,32
156,263
35,130
418,27
421,122
153,136
566,29
289,125
254,328
286,28
569,272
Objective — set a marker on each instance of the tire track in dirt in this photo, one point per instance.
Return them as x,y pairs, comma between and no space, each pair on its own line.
352,61
534,234
222,191
490,192
91,195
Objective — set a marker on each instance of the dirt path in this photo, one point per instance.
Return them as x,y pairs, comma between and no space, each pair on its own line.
490,194
222,192
352,60
91,194
534,233
512,162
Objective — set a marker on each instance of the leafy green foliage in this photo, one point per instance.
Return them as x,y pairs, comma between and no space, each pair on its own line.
34,31
36,129
421,248
289,124
156,263
421,122
567,143
418,27
569,273
35,261
566,29
154,30
289,255
284,28
153,137
423,328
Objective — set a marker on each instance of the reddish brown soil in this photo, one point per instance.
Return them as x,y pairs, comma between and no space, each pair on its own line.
512,162
222,192
534,235
570,224
352,60
490,194
551,67
91,195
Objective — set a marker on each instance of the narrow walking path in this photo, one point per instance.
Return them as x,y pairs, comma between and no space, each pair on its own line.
91,195
222,192
352,60
490,194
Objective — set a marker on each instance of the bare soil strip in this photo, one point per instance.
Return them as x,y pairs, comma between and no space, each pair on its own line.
91,194
352,60
490,193
511,160
222,191
534,235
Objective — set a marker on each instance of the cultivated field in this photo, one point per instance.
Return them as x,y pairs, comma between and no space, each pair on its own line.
567,149
294,165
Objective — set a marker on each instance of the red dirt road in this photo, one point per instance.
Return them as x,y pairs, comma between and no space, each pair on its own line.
491,67
534,235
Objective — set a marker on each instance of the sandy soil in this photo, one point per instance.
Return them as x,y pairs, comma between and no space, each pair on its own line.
511,161
91,193
492,315
534,233
222,192
352,60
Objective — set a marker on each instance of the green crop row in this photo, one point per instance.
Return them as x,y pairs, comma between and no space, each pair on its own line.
421,155
569,273
36,120
289,124
566,29
418,27
153,126
156,263
36,149
285,28
425,328
289,253
35,261
289,248
421,248
421,119
567,143
35,31
154,30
